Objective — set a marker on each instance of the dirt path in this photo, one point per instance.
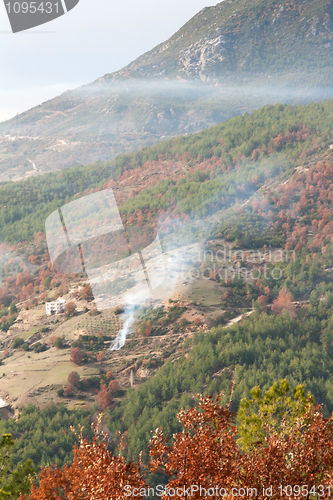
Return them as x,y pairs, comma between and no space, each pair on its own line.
34,166
238,319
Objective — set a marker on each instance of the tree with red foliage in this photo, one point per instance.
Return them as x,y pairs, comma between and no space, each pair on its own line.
280,440
94,475
40,236
70,309
86,293
284,302
74,378
204,453
33,259
68,391
113,386
104,397
19,280
77,355
100,357
263,301
148,329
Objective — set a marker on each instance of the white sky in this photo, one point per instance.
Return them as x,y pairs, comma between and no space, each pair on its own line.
82,45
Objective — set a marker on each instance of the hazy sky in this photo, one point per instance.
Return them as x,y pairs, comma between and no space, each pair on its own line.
93,39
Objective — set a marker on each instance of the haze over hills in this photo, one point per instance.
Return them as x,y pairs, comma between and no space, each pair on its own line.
226,60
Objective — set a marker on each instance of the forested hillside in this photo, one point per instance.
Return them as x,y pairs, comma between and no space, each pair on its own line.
179,173
268,177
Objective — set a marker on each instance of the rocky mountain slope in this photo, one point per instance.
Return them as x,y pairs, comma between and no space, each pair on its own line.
244,38
226,60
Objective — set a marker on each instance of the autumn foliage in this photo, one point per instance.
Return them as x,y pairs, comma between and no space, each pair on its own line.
148,329
86,293
74,378
284,302
70,309
307,194
205,452
279,441
100,357
77,355
104,397
95,474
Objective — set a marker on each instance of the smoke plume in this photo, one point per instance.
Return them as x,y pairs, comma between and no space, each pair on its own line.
120,340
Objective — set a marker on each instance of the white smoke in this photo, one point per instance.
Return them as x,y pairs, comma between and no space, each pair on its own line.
120,340
173,268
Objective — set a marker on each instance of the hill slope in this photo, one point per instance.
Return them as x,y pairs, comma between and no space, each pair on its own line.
273,134
269,179
228,59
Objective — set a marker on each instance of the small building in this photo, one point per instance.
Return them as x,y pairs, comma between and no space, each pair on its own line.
56,307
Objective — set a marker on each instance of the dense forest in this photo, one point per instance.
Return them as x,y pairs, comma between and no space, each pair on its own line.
43,435
160,178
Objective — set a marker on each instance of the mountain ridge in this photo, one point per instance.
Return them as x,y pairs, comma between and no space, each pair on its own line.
198,45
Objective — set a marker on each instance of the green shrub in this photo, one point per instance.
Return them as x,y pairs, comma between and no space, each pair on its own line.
17,343
59,343
39,347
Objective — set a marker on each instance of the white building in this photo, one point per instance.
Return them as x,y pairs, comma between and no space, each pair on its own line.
55,307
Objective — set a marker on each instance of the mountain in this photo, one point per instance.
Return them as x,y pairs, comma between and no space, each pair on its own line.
245,39
226,60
